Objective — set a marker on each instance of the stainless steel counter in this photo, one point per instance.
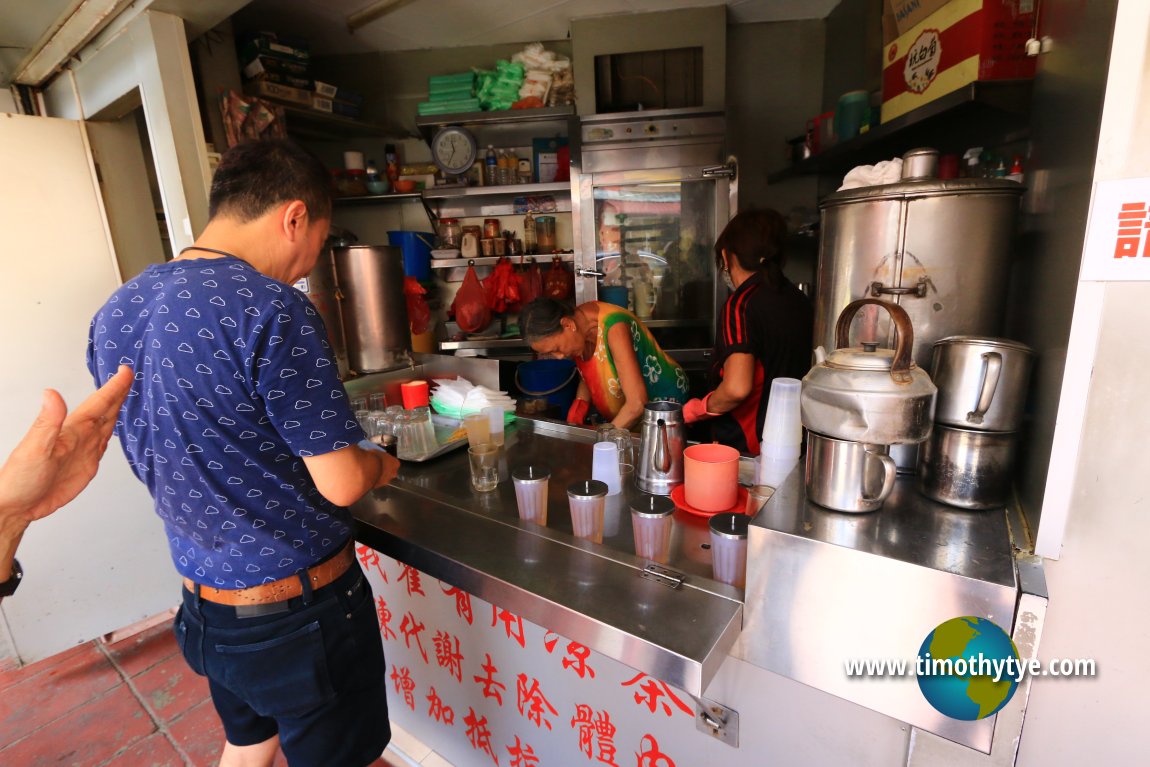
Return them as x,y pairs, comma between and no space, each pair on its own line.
825,587
599,595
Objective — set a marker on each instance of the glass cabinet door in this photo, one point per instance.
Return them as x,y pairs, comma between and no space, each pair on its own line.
654,244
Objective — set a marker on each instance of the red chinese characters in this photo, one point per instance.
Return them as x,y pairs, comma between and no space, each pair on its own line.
447,655
650,755
576,660
532,703
1130,228
650,692
595,730
491,688
522,755
384,618
411,628
509,619
479,734
411,578
438,711
404,685
462,602
369,558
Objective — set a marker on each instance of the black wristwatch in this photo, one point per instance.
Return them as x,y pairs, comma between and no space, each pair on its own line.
8,587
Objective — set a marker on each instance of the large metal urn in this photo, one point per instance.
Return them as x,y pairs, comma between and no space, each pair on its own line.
373,307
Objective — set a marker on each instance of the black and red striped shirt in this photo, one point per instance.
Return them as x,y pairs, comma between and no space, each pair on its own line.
775,325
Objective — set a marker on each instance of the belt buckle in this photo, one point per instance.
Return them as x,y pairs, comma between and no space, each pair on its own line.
260,610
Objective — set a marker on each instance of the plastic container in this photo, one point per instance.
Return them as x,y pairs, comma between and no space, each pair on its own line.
491,167
545,233
450,233
711,476
416,247
588,499
414,394
555,381
495,423
605,466
531,484
729,548
492,228
651,524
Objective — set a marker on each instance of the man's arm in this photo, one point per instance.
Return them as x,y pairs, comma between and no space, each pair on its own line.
344,475
56,459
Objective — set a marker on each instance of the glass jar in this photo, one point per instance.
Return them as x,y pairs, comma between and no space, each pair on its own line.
450,233
492,228
354,183
545,234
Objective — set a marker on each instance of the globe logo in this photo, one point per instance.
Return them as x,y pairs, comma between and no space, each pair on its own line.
957,666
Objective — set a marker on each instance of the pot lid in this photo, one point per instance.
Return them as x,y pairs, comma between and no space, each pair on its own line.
930,187
867,357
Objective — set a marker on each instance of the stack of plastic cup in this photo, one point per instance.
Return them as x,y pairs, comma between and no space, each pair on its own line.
605,466
495,424
782,433
531,493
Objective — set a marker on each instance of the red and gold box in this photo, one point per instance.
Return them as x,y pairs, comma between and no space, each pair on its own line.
962,42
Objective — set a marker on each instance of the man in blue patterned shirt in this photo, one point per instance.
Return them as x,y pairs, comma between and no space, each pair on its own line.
238,424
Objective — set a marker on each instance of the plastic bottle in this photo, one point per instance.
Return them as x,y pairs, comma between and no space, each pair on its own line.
529,246
509,173
392,159
490,167
1015,173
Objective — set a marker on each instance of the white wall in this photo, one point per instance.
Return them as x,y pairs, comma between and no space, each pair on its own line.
1098,586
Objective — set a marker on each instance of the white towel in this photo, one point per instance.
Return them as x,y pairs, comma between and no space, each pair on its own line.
885,172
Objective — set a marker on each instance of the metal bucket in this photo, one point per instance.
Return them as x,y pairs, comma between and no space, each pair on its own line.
319,287
373,307
968,469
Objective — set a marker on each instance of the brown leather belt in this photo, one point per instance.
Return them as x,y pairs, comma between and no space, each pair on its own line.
285,588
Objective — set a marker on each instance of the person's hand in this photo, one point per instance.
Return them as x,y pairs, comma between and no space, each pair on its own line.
390,469
60,453
696,410
577,413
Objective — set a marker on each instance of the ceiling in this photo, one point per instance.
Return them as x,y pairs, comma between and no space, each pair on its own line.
413,25
418,24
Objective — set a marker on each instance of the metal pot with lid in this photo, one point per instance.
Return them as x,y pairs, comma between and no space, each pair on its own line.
868,394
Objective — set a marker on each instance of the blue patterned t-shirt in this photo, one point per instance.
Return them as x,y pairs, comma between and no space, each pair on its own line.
235,382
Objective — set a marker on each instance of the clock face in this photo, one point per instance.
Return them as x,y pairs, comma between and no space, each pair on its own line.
453,150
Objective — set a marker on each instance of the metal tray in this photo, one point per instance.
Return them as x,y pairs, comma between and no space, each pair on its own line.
444,426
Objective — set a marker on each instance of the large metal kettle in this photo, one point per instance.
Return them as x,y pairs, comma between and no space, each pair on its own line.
872,395
660,466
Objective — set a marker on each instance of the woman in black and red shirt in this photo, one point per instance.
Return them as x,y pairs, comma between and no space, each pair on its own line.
765,331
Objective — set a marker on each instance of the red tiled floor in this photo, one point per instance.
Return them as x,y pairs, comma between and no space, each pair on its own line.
199,733
171,688
144,650
10,676
153,751
37,699
91,734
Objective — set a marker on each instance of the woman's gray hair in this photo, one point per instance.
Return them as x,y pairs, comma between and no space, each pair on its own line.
542,318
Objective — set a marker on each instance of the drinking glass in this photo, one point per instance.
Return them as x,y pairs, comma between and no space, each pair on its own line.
478,428
531,492
484,461
588,498
495,424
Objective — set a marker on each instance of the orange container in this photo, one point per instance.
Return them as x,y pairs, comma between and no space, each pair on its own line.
415,394
711,476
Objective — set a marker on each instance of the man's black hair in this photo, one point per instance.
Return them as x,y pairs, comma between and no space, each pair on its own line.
255,176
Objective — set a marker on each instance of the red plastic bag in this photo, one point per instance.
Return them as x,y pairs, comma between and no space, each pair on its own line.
530,283
502,287
558,283
418,312
470,308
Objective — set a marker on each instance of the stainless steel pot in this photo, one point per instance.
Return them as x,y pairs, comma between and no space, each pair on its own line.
939,248
319,287
981,382
847,476
373,306
966,468
867,394
660,466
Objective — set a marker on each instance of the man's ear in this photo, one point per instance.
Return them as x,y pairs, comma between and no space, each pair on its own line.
294,219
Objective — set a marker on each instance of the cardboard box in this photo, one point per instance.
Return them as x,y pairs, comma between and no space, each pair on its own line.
320,104
900,16
278,92
963,42
545,152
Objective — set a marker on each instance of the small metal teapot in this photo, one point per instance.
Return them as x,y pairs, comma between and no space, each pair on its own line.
660,466
868,394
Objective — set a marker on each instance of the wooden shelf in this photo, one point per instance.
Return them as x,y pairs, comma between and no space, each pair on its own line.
979,114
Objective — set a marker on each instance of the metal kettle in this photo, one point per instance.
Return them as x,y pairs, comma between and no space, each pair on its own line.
660,466
871,395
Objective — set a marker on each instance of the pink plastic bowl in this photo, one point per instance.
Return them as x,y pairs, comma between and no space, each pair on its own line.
711,476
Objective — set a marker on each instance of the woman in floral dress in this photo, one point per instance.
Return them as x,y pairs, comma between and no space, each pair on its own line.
622,365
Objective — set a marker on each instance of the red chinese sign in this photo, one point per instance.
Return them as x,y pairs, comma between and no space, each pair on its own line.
650,755
462,602
411,577
411,628
404,685
479,734
522,755
509,619
1131,218
369,558
576,660
448,656
595,730
650,692
1117,245
384,618
491,688
438,711
532,703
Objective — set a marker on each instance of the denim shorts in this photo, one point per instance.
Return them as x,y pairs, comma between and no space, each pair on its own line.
313,674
